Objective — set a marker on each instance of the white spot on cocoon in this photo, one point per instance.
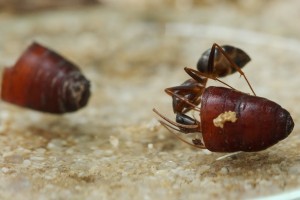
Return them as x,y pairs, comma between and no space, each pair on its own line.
227,116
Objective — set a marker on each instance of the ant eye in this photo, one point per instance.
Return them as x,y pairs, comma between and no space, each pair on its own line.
45,81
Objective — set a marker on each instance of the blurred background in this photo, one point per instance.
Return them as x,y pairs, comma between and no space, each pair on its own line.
131,51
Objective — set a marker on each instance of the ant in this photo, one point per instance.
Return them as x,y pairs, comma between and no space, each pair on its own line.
230,120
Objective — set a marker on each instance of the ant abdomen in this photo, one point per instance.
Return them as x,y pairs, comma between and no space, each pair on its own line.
222,66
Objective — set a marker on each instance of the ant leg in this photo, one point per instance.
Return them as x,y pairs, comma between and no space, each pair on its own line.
233,64
196,142
186,120
186,96
182,104
184,128
196,75
201,79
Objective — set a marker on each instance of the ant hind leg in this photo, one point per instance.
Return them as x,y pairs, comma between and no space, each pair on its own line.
232,63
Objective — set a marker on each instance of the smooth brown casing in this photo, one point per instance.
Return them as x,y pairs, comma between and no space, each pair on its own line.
43,80
260,123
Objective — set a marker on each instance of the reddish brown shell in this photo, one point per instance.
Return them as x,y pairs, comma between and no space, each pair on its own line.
43,80
260,123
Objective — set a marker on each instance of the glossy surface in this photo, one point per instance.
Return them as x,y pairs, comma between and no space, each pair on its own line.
260,123
43,80
221,66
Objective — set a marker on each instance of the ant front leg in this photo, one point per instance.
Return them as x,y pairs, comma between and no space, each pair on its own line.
187,120
186,96
183,124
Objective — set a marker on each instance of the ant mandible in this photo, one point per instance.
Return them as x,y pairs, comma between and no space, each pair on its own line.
230,120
